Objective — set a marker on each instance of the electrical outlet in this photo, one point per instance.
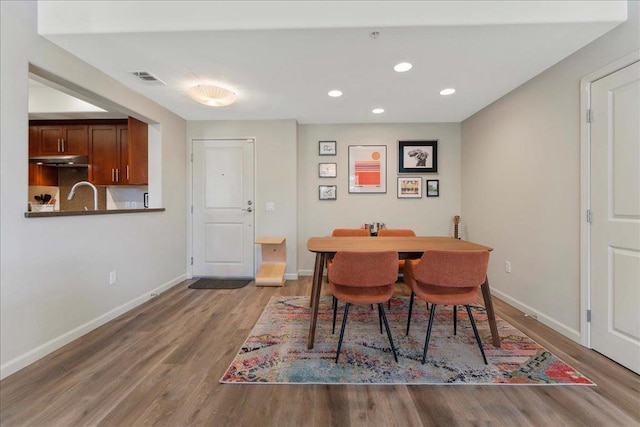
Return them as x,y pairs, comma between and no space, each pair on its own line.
113,277
507,266
270,207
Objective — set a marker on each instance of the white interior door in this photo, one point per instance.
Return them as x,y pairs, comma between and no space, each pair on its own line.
615,228
223,237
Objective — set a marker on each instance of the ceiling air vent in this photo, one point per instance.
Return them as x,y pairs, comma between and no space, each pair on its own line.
147,77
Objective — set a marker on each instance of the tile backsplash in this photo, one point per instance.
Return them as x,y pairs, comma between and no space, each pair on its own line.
67,177
114,197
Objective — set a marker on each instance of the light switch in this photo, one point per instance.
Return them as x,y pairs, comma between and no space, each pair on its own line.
270,207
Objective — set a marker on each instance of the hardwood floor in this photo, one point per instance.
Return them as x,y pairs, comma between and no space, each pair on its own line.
160,364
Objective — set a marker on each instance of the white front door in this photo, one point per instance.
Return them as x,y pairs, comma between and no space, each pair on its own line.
223,237
615,228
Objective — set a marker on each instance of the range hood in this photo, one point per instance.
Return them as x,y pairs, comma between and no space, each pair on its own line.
68,161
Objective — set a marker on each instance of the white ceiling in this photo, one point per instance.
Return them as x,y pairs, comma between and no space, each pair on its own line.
282,58
47,103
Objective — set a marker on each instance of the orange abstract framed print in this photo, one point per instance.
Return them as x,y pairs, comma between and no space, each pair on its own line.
367,169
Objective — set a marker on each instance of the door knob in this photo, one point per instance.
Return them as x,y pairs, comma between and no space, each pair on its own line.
248,209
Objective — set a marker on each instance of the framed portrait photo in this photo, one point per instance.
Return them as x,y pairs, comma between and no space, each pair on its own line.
409,187
327,148
433,188
367,169
327,192
417,156
327,170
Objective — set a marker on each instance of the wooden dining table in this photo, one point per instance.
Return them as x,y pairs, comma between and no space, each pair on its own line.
407,248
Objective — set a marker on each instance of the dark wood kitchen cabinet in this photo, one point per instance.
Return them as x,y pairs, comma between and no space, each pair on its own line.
56,139
103,154
118,153
138,152
43,175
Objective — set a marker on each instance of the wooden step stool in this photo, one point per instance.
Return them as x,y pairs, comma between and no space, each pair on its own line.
274,261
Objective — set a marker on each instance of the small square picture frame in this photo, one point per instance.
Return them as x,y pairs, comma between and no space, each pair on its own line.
409,187
327,148
433,188
327,192
327,170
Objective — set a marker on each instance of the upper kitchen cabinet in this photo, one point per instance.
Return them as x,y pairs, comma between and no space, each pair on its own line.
104,154
43,175
55,139
137,168
118,153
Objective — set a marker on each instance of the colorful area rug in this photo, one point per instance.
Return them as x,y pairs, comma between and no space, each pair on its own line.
276,350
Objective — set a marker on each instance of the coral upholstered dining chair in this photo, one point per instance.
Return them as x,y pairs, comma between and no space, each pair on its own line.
451,278
363,278
397,232
349,232
343,232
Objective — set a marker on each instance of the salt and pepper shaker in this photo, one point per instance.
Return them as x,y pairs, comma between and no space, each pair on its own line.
374,227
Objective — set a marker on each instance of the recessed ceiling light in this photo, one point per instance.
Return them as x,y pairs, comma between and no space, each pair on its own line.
402,67
449,91
335,93
377,110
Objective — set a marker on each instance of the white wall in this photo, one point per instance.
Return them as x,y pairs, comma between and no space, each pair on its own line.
521,182
275,174
54,271
426,216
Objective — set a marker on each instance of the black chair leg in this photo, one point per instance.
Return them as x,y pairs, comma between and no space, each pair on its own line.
386,325
410,309
380,318
432,315
475,331
455,319
335,309
344,323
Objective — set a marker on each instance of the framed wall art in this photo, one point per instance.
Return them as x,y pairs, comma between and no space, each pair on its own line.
327,192
409,187
327,148
433,188
417,156
367,169
327,170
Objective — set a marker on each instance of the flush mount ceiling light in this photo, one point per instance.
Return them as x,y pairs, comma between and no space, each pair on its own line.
335,93
402,67
377,110
213,96
448,91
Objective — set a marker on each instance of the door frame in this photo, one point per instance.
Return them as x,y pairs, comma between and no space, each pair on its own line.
189,204
585,187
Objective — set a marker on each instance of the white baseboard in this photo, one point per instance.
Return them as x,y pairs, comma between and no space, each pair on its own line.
542,318
291,276
305,272
39,352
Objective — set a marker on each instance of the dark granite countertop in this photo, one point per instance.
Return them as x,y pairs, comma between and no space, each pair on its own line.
98,212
